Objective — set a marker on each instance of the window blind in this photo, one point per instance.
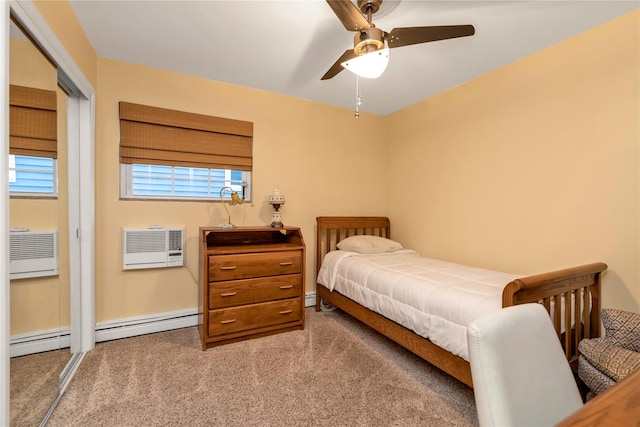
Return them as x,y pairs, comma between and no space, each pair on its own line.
158,136
33,129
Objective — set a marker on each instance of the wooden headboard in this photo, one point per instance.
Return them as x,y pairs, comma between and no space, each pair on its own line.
332,229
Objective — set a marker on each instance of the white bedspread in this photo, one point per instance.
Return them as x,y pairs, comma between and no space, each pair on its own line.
435,299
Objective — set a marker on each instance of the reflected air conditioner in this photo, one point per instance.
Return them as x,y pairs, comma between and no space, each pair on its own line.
33,253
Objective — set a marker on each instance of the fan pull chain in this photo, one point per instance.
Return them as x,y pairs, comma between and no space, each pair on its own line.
358,97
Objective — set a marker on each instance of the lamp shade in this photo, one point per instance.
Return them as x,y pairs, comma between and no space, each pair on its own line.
370,65
235,199
276,197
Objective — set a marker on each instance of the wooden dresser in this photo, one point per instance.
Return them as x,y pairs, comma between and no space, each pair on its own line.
252,283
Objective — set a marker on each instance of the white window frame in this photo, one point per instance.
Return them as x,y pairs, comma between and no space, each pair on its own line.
126,187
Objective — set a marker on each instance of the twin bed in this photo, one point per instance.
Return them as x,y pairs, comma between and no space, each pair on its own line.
425,305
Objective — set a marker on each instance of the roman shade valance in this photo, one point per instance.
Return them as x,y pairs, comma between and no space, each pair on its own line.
158,136
33,129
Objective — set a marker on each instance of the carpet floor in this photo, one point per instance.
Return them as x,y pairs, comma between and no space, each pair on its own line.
336,372
34,384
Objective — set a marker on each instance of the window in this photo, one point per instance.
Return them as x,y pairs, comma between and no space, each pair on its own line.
177,182
33,149
29,175
167,154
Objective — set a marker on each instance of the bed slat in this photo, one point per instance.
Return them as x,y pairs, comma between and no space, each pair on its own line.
567,321
586,319
578,312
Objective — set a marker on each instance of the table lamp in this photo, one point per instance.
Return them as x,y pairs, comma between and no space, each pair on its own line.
235,200
276,199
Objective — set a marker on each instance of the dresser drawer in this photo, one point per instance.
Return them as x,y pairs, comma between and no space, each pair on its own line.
236,319
245,266
246,291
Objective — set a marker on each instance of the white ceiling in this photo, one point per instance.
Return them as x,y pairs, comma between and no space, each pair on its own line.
285,46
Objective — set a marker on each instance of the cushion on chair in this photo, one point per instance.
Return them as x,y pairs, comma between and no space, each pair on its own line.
622,328
613,361
592,377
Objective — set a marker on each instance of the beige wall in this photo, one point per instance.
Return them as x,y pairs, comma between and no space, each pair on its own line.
532,167
324,161
526,169
64,23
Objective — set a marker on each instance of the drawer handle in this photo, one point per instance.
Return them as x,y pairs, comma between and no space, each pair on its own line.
286,312
283,264
232,267
286,286
228,294
226,322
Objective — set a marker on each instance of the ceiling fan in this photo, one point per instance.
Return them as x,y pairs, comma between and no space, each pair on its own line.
370,40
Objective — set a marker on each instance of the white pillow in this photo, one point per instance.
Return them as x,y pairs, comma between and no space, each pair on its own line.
368,244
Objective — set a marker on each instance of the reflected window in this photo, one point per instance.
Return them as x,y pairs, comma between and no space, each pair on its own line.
32,176
33,145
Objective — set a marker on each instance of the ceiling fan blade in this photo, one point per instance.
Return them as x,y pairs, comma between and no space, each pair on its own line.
349,15
414,35
337,67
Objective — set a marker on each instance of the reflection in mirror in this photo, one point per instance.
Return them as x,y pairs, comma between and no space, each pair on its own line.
40,302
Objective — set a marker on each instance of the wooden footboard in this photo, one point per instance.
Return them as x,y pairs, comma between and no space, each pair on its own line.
571,297
568,295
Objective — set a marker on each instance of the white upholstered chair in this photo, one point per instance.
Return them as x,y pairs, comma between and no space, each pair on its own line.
520,374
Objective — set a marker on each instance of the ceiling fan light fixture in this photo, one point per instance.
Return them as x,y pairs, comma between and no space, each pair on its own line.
370,65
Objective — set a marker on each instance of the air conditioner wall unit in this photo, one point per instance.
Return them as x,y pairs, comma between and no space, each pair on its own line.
153,248
33,254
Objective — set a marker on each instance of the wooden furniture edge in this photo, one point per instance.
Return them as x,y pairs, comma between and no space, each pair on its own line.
617,406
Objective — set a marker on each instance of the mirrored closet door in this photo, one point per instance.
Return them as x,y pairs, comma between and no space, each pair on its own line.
40,316
64,313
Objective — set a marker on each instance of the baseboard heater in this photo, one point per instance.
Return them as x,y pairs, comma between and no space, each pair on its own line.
40,341
37,342
141,325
